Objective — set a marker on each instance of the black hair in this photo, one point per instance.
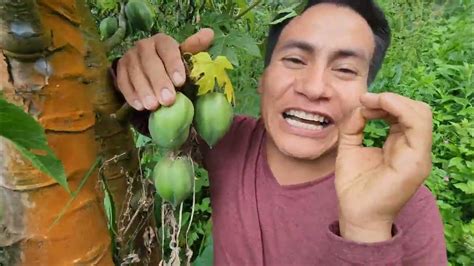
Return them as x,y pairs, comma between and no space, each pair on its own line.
368,9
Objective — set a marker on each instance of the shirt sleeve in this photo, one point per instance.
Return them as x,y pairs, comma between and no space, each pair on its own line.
417,239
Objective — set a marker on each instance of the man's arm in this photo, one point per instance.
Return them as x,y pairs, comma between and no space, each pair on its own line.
417,239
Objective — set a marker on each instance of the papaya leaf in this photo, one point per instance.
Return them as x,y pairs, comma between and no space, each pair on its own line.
222,46
29,138
205,72
234,40
246,43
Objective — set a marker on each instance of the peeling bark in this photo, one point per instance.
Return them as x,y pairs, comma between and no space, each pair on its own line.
21,31
55,69
59,76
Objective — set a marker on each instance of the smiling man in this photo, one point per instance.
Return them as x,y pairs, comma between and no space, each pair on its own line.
296,186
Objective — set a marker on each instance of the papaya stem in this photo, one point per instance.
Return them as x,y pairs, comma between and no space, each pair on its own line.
123,113
119,34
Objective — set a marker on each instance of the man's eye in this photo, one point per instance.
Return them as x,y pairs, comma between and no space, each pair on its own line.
294,60
347,71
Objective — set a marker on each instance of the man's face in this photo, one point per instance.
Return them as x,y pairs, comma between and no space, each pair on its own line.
316,76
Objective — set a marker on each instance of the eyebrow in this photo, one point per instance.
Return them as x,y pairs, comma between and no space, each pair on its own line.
345,53
307,47
341,53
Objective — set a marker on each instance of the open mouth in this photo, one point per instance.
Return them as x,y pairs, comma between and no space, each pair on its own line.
305,120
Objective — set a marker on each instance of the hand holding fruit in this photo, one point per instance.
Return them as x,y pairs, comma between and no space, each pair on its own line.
170,124
373,184
148,73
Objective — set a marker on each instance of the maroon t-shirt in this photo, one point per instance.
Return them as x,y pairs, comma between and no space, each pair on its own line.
257,221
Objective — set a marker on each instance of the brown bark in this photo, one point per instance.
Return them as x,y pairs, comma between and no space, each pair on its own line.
43,78
55,68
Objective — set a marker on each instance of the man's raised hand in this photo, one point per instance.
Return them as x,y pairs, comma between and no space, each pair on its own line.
373,184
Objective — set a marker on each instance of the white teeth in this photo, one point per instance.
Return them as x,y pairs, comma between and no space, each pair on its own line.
299,124
307,116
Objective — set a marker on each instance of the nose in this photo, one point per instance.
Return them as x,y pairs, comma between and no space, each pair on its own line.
313,84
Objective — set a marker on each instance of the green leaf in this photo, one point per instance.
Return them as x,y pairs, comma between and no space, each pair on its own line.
246,43
467,188
283,18
231,55
29,137
107,5
206,257
225,44
205,72
109,208
286,13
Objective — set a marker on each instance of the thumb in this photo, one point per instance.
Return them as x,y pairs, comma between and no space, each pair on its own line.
351,130
198,42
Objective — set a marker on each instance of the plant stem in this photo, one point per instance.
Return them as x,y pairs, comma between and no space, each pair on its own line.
119,35
241,14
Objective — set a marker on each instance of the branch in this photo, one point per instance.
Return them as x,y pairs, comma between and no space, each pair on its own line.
244,12
123,113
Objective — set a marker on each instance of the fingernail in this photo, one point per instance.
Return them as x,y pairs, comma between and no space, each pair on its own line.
137,105
150,101
165,95
177,78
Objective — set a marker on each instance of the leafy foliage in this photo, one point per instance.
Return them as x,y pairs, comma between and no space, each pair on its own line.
432,59
29,138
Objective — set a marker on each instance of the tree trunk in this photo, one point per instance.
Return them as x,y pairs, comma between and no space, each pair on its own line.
53,65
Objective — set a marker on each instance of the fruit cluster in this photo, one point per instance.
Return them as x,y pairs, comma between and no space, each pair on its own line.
139,16
169,128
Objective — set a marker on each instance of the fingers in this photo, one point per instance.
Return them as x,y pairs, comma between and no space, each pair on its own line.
152,65
125,86
351,130
198,42
140,83
168,51
412,117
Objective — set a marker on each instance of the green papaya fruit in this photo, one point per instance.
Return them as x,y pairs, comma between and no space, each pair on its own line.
173,179
107,27
169,125
139,14
213,117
